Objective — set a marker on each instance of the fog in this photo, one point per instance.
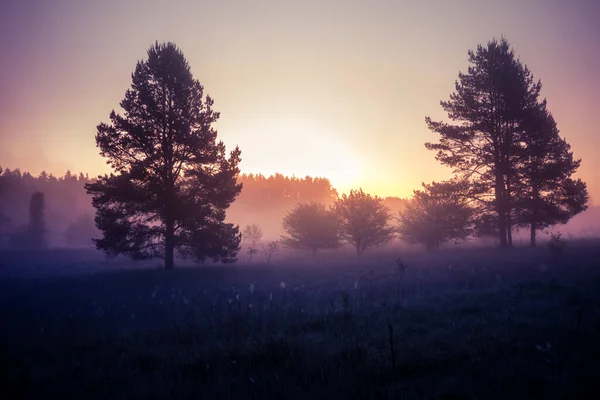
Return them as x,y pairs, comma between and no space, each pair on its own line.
264,201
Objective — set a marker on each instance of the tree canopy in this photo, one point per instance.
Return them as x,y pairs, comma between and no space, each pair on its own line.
311,226
363,220
546,193
173,181
436,214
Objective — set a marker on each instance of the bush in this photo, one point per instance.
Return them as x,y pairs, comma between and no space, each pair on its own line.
557,244
252,235
270,249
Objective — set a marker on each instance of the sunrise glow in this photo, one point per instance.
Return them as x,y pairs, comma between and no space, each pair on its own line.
331,89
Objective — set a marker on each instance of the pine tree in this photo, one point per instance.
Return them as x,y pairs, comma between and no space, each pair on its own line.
547,193
363,220
490,105
173,181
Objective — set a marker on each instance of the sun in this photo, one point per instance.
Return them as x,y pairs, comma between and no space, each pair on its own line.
295,146
337,162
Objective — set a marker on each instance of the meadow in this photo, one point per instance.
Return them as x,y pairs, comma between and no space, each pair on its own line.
479,323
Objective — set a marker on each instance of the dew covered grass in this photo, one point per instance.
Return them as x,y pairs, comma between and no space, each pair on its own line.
468,323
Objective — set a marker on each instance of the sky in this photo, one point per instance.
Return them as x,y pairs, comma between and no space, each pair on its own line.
338,89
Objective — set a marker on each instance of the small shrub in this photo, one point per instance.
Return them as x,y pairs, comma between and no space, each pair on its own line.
401,267
557,244
270,249
252,235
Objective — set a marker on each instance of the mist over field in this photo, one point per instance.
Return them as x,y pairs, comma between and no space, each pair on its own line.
469,323
264,201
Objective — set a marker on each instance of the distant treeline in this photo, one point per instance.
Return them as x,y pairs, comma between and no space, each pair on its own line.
265,200
69,214
65,199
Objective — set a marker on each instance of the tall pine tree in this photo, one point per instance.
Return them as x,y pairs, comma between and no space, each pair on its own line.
489,107
173,181
438,213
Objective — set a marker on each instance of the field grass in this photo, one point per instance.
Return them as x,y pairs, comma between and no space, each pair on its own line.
460,324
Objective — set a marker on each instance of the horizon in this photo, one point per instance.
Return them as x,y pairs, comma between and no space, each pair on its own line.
340,94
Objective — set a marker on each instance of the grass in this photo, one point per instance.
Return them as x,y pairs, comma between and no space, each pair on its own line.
463,324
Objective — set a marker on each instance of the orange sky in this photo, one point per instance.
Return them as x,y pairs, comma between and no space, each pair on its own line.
332,88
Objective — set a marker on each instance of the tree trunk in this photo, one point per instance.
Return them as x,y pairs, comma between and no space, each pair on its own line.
508,209
535,196
169,246
500,205
502,229
358,250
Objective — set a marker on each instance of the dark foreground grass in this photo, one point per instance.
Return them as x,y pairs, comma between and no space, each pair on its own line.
468,324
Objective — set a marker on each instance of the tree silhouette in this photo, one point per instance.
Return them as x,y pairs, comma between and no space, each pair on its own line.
546,193
311,227
34,235
173,180
363,220
437,214
252,234
270,249
490,105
